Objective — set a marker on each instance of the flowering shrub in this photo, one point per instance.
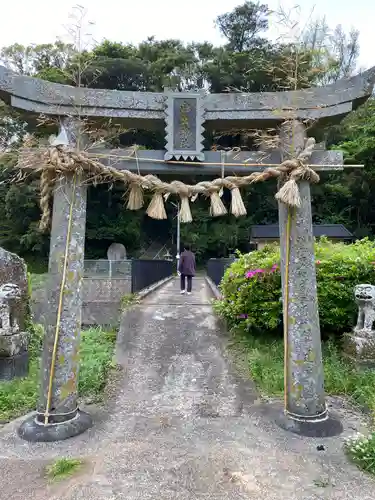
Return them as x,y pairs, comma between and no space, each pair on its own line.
251,286
361,450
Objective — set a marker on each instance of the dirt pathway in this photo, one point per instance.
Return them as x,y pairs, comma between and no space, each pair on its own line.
183,426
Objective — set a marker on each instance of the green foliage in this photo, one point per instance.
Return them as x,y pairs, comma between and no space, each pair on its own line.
36,336
35,331
264,361
19,396
108,221
63,467
251,286
129,300
19,213
361,450
251,290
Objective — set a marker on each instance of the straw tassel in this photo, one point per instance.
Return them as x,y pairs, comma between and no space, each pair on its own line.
289,194
179,188
135,199
237,206
217,206
185,212
156,208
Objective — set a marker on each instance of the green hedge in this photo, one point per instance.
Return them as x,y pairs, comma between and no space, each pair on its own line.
251,287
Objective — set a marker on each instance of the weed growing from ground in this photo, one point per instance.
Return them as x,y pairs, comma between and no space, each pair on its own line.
62,468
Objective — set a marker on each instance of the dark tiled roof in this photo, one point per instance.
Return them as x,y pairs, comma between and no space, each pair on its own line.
271,231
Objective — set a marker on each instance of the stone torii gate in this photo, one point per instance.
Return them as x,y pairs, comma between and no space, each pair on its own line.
184,116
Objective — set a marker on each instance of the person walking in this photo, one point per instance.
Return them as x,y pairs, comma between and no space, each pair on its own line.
186,268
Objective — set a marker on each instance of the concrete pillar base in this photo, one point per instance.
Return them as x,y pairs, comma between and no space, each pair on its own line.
323,427
34,431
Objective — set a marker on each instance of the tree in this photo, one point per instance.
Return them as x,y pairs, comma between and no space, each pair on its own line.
356,137
12,128
242,26
48,61
151,66
335,52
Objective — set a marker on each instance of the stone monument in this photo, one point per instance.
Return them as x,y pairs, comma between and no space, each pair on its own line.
360,344
116,251
184,117
14,313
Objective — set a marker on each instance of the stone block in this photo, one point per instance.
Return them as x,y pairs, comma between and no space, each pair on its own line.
359,347
14,316
13,271
14,366
13,344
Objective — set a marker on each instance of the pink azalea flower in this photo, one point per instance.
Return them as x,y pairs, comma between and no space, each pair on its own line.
250,274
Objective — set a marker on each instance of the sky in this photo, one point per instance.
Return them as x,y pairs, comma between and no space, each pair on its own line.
42,21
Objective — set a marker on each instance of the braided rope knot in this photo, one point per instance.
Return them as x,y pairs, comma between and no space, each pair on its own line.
294,170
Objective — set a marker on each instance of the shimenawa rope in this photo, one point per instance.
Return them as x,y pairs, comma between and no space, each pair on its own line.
62,160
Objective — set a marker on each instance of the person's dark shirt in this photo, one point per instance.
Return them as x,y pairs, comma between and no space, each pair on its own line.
187,263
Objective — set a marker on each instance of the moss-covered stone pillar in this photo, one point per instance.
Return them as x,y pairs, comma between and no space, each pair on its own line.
305,405
58,416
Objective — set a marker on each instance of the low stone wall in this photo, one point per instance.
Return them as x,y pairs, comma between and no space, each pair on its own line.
102,294
101,300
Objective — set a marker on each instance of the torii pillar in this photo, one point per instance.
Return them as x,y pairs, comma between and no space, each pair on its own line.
58,416
305,409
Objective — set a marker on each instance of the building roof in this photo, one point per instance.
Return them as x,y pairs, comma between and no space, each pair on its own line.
271,231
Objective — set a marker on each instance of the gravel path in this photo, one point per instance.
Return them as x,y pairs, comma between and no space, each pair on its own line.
183,425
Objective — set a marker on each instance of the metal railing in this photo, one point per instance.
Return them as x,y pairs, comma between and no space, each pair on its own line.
142,272
216,269
107,268
148,272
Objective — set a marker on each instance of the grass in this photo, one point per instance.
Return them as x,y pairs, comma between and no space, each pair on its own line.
265,361
19,396
96,360
62,468
129,300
